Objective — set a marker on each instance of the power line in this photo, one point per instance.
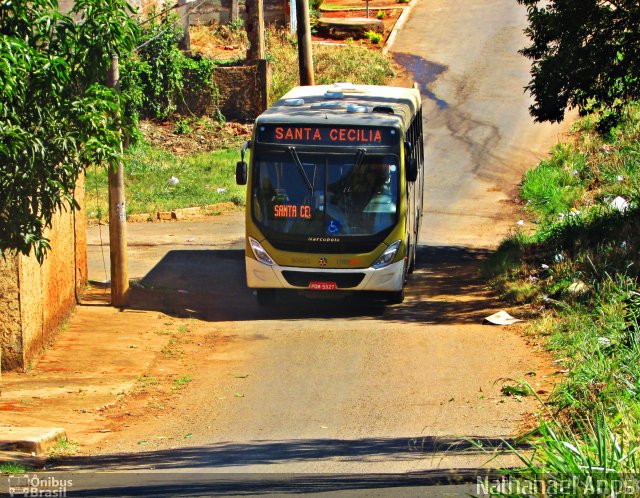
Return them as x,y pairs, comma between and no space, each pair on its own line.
158,14
158,35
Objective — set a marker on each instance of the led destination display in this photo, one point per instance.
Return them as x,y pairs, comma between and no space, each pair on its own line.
326,135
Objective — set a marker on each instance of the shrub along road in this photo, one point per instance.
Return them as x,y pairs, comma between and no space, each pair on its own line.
339,386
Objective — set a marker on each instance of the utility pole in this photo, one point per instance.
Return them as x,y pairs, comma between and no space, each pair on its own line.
305,60
235,11
117,217
255,30
184,11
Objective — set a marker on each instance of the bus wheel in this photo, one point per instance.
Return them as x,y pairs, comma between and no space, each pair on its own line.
395,297
266,297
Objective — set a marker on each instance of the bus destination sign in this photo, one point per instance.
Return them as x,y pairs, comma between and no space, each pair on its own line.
301,134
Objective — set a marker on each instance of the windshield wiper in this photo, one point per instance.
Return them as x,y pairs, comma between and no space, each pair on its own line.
359,158
303,173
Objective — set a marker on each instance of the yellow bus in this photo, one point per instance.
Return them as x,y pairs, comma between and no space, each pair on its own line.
334,191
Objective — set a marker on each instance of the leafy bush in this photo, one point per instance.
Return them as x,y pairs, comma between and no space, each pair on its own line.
373,36
155,78
56,114
585,55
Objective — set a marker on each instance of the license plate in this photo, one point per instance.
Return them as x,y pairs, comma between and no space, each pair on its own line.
323,286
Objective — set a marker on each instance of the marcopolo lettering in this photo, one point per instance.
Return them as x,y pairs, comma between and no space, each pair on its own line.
324,135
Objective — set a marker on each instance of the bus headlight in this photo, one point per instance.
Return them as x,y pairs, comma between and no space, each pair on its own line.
387,256
259,252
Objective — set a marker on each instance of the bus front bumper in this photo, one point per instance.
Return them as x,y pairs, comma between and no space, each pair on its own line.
261,276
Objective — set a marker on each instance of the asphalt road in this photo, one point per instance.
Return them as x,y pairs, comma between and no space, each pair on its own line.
341,387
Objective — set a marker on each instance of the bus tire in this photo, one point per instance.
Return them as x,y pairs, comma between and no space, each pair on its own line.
266,297
412,260
395,297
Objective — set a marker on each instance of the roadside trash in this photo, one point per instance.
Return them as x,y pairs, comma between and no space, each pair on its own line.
620,204
575,172
578,287
558,257
221,190
575,212
623,244
101,283
191,239
605,342
183,291
520,222
173,181
544,266
620,178
519,389
501,318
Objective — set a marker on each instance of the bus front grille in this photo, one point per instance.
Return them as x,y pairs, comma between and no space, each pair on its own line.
304,278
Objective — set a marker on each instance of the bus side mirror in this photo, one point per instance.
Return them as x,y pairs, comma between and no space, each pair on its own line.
241,173
412,169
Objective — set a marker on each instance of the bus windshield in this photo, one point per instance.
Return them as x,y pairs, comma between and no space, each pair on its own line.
325,195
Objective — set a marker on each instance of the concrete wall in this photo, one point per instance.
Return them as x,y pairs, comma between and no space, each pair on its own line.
35,300
220,12
214,11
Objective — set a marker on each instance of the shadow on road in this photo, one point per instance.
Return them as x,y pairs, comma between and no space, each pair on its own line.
440,483
198,470
210,285
268,452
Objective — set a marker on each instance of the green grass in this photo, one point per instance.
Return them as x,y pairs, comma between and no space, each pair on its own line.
580,267
353,63
64,447
181,382
13,468
147,172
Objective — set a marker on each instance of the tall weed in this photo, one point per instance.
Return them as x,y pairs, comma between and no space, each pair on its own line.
580,267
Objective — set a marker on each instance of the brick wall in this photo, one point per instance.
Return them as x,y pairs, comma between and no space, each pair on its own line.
243,93
36,299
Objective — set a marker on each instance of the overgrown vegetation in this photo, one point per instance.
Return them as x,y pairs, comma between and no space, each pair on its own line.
579,267
156,77
352,62
584,54
56,114
202,179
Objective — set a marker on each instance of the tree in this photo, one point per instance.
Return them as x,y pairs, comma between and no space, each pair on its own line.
56,114
585,53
